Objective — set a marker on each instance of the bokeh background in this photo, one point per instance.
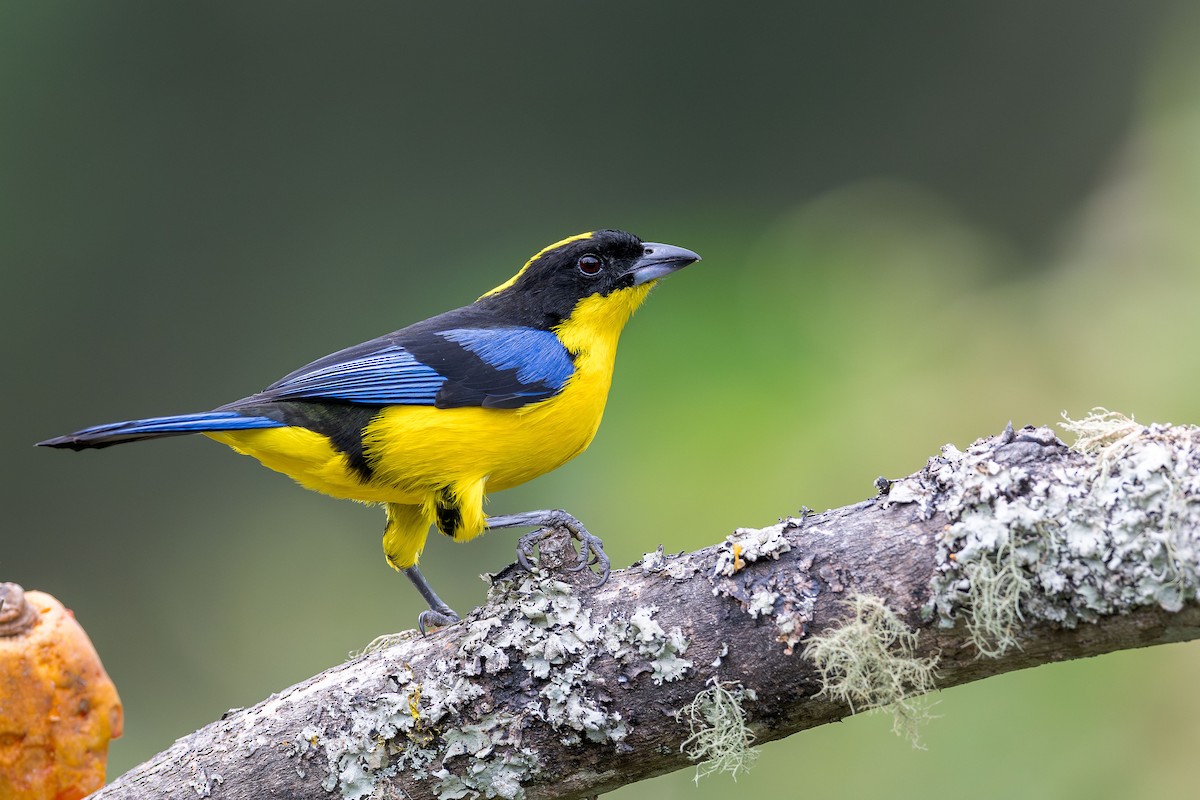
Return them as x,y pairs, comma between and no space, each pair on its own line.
918,220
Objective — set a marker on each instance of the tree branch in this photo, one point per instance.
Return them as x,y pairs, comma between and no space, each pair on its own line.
1015,553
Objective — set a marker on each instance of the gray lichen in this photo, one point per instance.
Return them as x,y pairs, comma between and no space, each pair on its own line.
675,566
641,643
1110,528
370,738
787,596
202,783
747,545
489,777
439,721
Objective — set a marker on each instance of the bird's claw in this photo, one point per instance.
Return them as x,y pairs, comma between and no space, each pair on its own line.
581,566
436,618
526,545
591,549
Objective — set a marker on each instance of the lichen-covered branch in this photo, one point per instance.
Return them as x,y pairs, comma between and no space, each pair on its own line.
1013,553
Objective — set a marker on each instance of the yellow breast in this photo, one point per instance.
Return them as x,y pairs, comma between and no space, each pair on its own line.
419,449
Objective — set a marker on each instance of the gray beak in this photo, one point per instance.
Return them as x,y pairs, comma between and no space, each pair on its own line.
659,260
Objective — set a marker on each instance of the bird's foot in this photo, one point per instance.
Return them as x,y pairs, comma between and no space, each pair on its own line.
591,547
438,615
436,618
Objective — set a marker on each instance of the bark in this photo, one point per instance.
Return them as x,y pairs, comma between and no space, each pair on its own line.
1012,554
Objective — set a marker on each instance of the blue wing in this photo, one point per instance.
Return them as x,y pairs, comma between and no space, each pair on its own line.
489,367
511,367
389,375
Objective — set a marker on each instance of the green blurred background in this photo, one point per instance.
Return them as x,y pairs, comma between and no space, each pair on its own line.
918,222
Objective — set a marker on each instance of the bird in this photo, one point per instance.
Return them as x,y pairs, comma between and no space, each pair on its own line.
427,420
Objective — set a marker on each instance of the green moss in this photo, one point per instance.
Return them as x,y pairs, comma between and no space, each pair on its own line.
871,662
719,737
1103,433
997,584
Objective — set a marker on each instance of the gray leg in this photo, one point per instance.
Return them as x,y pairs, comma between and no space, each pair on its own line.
591,549
439,614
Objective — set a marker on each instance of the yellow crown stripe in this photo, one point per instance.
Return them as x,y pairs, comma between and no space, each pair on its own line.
576,238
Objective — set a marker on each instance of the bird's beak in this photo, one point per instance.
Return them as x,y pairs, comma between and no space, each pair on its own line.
658,260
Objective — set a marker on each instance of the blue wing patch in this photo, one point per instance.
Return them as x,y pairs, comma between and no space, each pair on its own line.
453,368
539,358
390,375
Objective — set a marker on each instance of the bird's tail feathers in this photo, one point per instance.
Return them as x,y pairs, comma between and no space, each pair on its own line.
156,427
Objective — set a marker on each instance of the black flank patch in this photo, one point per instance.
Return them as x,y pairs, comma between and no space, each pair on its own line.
341,423
449,518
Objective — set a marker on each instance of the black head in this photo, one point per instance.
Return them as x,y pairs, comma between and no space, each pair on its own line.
553,282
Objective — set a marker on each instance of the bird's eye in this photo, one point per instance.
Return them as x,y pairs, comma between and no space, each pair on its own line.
590,264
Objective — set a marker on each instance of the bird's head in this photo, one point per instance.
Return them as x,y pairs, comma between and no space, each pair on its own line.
603,268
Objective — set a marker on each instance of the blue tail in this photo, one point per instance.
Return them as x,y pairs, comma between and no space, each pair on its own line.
155,427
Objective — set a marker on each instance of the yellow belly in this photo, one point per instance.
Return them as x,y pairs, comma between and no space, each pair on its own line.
307,457
421,456
417,450
421,449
